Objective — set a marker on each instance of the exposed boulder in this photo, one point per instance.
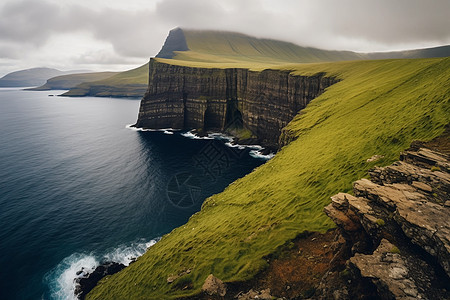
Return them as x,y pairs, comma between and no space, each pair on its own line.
252,294
213,286
388,271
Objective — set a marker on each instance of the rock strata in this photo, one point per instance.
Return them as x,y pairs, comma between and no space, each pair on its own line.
397,227
224,100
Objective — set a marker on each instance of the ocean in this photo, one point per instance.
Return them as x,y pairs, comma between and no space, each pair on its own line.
78,186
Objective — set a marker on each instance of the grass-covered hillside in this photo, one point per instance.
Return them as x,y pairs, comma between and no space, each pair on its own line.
378,107
220,46
132,83
66,82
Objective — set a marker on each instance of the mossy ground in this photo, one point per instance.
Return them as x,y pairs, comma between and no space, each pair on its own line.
378,107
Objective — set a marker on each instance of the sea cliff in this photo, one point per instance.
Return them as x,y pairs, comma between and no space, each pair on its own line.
375,110
258,102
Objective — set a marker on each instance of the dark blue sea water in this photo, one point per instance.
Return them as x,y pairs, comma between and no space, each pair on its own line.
78,187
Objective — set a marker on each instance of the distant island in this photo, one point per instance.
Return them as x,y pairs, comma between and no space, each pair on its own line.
31,77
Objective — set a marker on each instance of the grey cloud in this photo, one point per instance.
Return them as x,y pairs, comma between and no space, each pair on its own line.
386,21
32,23
103,57
23,21
28,25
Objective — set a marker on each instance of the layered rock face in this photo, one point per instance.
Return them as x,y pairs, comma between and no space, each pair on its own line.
220,99
397,227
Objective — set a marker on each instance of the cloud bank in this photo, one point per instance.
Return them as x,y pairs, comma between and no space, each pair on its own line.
117,34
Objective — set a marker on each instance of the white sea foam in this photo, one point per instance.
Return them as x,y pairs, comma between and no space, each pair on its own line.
165,130
221,136
231,145
125,254
61,279
256,150
258,154
193,136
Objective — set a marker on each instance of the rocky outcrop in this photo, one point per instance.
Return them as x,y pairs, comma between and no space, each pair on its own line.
213,286
252,294
87,281
224,99
397,226
389,272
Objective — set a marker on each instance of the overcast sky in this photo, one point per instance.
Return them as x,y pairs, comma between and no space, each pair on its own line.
121,34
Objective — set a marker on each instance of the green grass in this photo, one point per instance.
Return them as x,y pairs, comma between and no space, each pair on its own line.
395,250
132,83
435,168
219,46
378,107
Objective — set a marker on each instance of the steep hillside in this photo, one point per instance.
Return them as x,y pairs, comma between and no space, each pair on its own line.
221,46
66,82
31,77
377,108
132,83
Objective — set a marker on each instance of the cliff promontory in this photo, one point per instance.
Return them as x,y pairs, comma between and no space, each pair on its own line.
230,99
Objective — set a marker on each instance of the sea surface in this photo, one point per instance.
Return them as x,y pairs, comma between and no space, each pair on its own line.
79,187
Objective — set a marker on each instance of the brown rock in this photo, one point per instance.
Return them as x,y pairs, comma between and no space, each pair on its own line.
407,203
388,272
338,212
214,286
375,158
252,294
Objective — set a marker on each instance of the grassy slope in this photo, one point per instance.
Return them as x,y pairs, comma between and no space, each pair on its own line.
230,47
217,46
379,107
132,83
66,82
